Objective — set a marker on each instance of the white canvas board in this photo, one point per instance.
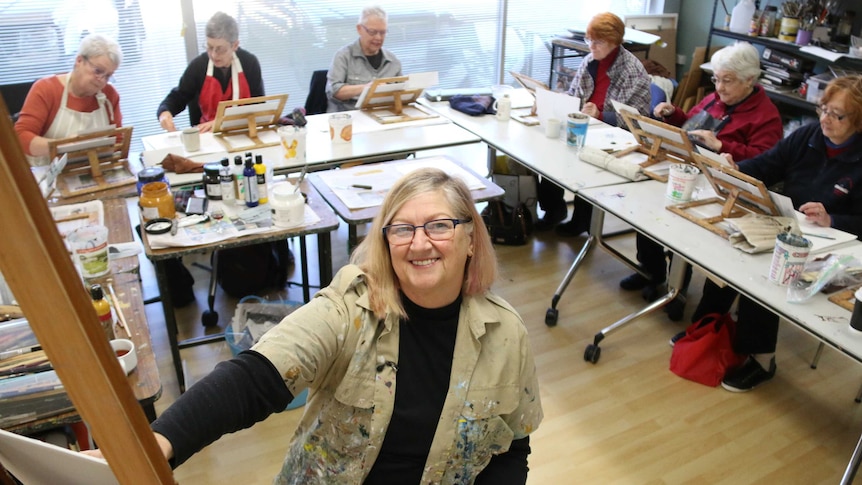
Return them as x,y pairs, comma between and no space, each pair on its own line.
36,462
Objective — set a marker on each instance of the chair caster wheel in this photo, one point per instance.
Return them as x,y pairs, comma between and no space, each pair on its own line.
551,317
209,318
592,353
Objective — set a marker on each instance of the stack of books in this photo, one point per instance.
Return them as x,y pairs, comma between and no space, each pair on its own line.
782,72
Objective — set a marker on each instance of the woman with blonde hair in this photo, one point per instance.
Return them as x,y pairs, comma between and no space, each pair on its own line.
417,372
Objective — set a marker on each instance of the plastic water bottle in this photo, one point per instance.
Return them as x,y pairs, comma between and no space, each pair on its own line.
504,108
740,18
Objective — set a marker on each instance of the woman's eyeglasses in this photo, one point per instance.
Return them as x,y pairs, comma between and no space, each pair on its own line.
821,110
98,72
725,80
217,50
436,230
595,42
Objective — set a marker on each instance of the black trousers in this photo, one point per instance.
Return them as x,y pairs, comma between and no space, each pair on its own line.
551,198
651,257
756,327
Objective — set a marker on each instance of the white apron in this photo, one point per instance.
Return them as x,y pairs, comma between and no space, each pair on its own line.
69,122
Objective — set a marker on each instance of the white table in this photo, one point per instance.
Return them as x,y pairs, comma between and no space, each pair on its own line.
643,206
371,142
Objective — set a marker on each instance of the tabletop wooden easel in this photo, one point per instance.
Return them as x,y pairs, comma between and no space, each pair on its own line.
737,194
248,116
106,156
385,101
660,142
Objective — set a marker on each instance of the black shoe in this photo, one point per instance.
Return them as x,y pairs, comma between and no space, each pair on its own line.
634,282
750,375
653,291
673,340
551,219
675,309
573,228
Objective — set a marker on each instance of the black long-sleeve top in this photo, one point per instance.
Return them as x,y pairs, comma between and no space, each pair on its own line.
192,81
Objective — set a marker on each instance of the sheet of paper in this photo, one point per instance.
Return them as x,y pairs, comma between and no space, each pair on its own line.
555,105
783,203
612,138
422,80
639,36
712,156
822,238
822,53
620,107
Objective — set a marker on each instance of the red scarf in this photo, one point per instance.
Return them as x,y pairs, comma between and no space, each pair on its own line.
602,81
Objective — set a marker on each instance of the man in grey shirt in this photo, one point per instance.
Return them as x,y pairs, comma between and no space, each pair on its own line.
356,65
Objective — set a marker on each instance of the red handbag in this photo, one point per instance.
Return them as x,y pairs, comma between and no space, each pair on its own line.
706,353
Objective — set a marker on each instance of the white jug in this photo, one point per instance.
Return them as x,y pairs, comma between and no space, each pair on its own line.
740,19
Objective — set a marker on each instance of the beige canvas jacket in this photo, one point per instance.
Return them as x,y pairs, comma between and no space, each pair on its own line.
334,346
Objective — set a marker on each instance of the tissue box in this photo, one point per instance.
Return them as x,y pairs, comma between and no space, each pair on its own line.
816,86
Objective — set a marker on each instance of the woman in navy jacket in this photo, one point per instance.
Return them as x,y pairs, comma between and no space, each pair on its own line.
821,167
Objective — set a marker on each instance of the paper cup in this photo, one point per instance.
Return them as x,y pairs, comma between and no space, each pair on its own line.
89,246
856,318
191,139
576,129
788,259
552,128
681,181
126,354
293,144
340,128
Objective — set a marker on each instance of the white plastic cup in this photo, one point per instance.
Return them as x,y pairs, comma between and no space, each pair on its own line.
126,354
293,144
681,182
576,129
89,246
552,128
191,139
341,128
288,206
788,258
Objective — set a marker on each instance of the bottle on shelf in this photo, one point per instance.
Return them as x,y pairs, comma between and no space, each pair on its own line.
740,18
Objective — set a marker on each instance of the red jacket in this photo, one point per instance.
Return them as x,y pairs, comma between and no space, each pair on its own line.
754,125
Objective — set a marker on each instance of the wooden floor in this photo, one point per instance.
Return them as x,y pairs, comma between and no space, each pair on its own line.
625,420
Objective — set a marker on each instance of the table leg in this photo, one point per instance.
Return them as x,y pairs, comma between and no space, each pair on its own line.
303,253
853,466
492,160
324,258
675,281
170,320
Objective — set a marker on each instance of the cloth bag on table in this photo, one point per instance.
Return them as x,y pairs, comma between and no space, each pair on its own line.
706,353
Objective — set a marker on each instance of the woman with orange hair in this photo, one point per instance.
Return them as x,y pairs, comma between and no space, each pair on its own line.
608,72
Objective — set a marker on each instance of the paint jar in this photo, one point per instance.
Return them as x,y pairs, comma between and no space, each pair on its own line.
151,174
156,201
212,181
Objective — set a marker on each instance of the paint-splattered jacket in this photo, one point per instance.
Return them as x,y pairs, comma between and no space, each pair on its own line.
334,345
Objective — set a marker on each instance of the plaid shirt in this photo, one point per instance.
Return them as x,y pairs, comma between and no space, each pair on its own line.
629,84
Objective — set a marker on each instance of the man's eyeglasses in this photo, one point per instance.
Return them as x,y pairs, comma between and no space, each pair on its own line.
595,42
436,230
375,32
98,72
725,81
821,110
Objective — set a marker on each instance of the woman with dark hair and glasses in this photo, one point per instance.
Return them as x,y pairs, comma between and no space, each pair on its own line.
746,124
224,72
355,65
417,372
63,105
821,167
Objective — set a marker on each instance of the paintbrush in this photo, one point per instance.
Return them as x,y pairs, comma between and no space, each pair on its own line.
122,323
301,177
